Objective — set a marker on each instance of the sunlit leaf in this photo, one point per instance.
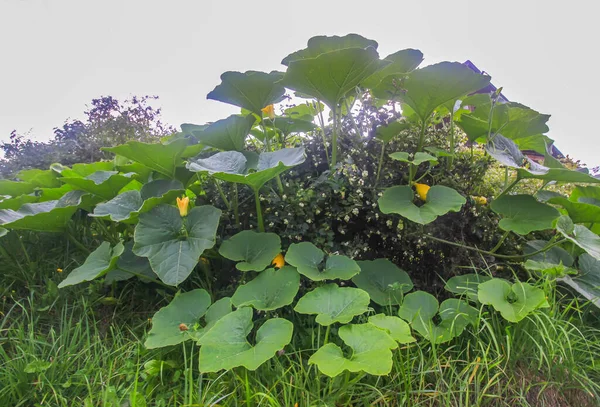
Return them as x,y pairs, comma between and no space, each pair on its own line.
270,290
226,346
227,134
371,352
333,304
394,326
185,308
514,302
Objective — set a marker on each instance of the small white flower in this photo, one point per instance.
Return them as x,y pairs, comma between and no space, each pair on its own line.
323,195
284,197
285,221
355,211
271,224
389,223
317,211
347,218
365,173
287,184
380,194
301,205
309,221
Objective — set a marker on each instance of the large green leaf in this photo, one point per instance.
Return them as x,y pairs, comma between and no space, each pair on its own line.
82,170
130,265
371,352
233,166
557,174
322,44
440,200
466,285
513,120
401,62
430,87
579,212
393,129
383,280
580,235
255,251
587,282
250,90
43,217
514,302
163,158
227,134
126,206
330,76
555,254
310,262
16,203
523,214
419,309
270,290
225,345
418,158
589,195
185,308
97,264
288,125
394,326
39,178
174,244
334,304
105,184
15,188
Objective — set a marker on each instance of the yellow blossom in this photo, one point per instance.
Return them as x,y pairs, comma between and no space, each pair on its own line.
182,204
269,111
59,270
480,200
278,261
422,190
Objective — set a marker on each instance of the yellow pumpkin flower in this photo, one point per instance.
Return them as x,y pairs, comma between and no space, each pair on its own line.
182,204
278,261
269,111
480,200
422,190
59,270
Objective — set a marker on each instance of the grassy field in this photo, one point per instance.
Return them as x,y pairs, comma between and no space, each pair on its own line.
83,346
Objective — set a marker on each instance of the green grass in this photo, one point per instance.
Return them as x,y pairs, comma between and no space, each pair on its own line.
83,347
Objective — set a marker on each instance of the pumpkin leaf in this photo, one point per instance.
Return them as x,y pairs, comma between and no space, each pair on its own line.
308,259
440,200
383,280
227,134
97,264
187,309
333,304
524,214
394,326
163,158
255,251
580,235
514,302
270,290
174,244
466,285
225,345
371,352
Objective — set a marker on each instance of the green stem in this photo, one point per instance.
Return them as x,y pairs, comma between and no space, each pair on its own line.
78,244
500,256
508,188
222,194
279,184
450,161
267,141
236,204
322,125
259,216
505,177
380,164
326,340
413,168
502,239
334,139
24,250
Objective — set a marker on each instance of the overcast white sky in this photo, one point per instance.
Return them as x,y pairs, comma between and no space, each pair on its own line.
56,55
